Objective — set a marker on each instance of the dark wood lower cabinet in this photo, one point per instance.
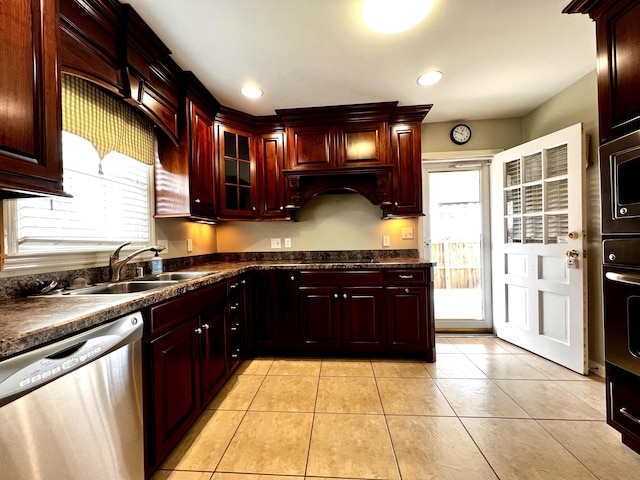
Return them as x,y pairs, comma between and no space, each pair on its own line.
186,364
363,316
623,404
319,319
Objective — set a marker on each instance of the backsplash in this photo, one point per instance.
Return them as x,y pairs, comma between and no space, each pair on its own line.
21,286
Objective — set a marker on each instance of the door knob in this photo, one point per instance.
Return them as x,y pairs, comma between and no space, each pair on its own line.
573,235
572,253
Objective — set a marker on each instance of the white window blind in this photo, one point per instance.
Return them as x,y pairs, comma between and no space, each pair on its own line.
110,204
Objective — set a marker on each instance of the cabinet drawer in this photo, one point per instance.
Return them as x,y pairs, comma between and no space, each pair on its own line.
166,315
624,402
335,278
413,276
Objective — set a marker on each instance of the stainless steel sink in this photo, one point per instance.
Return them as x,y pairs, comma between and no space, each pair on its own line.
121,288
160,277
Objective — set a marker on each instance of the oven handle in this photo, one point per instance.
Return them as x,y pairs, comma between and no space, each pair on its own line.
624,278
624,412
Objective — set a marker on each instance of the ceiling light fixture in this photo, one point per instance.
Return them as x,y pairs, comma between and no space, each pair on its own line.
430,78
251,91
394,16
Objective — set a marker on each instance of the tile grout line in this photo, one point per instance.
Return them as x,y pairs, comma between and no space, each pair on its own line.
313,420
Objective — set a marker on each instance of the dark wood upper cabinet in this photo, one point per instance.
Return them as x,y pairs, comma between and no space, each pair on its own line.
406,158
152,75
185,173
90,42
270,143
347,136
236,163
618,49
30,122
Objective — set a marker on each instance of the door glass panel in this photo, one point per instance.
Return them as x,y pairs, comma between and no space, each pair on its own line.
229,144
556,161
533,229
533,198
245,198
230,173
514,204
533,167
512,173
231,197
243,147
456,232
514,230
245,173
557,228
557,195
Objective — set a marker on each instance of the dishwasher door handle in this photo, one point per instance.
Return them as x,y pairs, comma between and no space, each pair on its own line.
24,373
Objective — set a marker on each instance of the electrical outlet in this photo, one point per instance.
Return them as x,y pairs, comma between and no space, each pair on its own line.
165,244
276,243
189,245
386,240
407,233
287,243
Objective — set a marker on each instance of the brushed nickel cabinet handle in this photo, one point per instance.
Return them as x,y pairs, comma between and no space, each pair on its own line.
624,412
406,277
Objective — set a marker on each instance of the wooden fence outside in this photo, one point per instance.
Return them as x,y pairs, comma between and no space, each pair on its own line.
458,264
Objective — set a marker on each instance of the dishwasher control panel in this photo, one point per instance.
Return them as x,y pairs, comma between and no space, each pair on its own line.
24,373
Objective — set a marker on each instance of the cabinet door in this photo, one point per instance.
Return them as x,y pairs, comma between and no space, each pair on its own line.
30,125
202,161
266,327
176,385
618,45
407,319
363,145
271,179
363,317
213,365
319,319
310,148
89,42
407,174
237,174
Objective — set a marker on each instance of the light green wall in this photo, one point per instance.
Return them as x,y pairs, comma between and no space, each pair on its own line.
326,222
485,135
177,231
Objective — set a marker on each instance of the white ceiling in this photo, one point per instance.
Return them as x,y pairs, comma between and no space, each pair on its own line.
500,58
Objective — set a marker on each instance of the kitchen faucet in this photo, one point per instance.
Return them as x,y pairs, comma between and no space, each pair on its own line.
115,264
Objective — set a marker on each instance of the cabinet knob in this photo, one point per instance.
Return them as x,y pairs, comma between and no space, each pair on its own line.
612,256
235,327
395,204
344,295
406,290
234,306
197,200
293,277
254,208
335,295
198,331
281,208
233,286
243,282
205,326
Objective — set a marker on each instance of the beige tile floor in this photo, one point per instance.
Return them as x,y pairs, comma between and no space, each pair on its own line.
485,410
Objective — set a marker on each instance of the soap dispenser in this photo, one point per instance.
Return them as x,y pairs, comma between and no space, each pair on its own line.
156,264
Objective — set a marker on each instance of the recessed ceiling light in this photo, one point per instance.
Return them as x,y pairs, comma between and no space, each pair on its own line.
430,78
251,91
394,16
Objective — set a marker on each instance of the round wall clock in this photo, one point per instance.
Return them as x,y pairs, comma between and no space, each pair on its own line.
460,134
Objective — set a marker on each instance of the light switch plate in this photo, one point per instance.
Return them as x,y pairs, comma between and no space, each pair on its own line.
287,243
386,240
189,245
276,243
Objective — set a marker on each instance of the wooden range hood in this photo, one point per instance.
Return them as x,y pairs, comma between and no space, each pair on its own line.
373,183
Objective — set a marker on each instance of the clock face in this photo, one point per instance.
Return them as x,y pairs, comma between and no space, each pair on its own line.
460,134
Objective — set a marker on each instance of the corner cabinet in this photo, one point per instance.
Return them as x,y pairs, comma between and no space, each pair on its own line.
185,176
30,122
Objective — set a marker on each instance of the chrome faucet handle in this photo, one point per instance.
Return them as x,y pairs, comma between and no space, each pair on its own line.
116,253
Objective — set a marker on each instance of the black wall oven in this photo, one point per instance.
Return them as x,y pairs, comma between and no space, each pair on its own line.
622,302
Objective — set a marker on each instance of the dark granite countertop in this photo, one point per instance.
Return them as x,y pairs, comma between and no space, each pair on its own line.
26,323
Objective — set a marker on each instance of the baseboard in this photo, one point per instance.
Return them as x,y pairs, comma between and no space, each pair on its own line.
596,369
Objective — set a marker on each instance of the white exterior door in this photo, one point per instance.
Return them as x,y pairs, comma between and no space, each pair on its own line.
538,228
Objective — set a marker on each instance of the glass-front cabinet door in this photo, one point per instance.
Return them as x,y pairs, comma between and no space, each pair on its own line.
237,173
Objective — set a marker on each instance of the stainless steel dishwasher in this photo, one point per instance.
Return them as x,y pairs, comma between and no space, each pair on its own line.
73,409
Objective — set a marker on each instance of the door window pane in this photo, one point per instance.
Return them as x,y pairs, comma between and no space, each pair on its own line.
533,167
